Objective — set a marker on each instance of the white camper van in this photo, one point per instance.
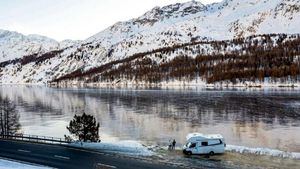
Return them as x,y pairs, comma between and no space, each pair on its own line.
198,143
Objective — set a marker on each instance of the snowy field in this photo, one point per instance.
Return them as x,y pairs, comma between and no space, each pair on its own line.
6,164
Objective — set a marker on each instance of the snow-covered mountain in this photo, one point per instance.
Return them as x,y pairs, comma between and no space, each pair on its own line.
159,28
15,45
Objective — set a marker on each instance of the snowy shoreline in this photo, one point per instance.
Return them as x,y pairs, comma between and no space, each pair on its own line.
263,151
252,87
137,149
176,84
171,84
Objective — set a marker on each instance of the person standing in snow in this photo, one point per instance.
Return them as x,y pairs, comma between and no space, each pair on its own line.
173,144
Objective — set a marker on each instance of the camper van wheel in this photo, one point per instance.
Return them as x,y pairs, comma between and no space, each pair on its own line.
211,153
189,153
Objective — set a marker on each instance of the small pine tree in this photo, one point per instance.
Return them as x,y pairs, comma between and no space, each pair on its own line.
84,127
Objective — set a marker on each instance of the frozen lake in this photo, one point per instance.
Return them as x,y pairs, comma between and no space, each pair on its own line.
252,118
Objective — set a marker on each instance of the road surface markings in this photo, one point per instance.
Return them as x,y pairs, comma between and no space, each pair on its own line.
104,166
62,157
24,151
85,150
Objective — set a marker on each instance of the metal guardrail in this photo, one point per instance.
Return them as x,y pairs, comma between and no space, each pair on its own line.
35,138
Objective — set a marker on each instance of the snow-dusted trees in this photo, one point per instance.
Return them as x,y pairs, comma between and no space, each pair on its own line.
251,60
9,117
274,56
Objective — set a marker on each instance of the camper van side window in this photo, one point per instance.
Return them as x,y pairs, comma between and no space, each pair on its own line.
204,143
192,145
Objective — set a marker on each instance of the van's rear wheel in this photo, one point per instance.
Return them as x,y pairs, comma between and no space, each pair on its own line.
211,153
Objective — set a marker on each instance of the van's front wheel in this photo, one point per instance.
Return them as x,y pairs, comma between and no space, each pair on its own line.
211,153
188,153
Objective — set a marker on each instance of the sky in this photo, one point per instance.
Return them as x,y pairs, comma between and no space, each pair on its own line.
72,19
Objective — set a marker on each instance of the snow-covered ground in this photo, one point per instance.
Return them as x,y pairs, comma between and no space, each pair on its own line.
124,147
137,149
6,164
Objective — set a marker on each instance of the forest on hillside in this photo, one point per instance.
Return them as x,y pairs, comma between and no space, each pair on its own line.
255,58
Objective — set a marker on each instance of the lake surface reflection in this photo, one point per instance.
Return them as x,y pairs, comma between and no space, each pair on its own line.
249,118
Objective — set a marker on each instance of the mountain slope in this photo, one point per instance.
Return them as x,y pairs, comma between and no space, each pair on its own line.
15,45
162,28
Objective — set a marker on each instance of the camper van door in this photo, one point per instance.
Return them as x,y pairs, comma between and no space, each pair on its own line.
204,147
198,148
193,147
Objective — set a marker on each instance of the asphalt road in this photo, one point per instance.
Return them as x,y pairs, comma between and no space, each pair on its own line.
70,158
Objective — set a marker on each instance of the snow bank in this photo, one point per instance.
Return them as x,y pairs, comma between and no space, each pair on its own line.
263,151
5,164
124,147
